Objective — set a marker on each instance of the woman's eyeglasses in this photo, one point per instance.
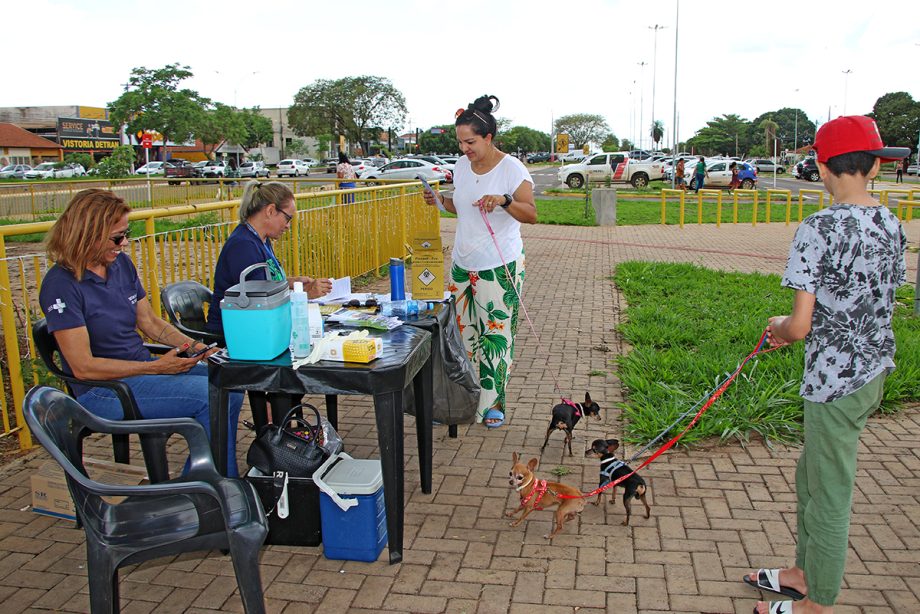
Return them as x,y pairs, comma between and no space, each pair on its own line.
286,215
371,302
119,239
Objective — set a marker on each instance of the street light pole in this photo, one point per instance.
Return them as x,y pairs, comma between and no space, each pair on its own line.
846,81
642,66
655,28
675,139
795,138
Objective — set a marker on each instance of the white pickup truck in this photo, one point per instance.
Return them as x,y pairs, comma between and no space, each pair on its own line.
617,167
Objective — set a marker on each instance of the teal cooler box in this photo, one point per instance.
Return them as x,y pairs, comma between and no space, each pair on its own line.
351,507
257,317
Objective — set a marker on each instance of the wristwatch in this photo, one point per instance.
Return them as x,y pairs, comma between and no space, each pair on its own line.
508,201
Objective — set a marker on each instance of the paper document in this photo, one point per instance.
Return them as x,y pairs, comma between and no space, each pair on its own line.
340,289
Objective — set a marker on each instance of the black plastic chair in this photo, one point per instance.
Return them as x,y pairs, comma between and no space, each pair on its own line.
184,304
154,451
200,511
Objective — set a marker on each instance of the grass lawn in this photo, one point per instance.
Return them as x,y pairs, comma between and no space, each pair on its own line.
690,327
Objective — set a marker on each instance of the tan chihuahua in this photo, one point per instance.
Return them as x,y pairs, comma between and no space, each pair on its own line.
539,494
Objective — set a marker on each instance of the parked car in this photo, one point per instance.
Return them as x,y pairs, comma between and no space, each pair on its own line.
293,168
254,169
639,154
214,169
330,164
14,171
177,169
542,156
437,161
572,156
54,170
151,168
408,168
310,161
912,169
720,176
360,166
807,169
764,165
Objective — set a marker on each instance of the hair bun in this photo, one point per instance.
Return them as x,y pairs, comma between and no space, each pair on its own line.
485,104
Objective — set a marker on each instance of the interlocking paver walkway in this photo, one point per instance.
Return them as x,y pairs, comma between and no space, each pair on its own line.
717,511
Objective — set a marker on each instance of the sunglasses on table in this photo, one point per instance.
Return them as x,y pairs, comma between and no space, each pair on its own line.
371,302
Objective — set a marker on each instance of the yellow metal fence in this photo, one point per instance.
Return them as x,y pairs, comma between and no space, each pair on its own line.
765,206
34,200
334,234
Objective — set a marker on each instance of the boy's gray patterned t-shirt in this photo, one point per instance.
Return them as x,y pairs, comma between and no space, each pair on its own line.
852,259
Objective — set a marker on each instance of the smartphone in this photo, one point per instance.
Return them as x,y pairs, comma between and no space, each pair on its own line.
205,349
430,190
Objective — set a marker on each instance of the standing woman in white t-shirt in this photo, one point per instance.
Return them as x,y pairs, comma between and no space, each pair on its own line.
487,180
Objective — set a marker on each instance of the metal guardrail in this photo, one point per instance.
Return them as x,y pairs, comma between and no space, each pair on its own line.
335,233
746,204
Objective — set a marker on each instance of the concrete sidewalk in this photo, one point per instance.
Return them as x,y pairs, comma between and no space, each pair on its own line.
717,511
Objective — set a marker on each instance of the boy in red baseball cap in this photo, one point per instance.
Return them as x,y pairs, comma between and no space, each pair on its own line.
845,264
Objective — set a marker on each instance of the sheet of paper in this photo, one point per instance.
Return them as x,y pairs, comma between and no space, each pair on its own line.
340,288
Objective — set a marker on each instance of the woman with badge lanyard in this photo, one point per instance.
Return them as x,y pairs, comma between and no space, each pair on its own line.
492,185
266,211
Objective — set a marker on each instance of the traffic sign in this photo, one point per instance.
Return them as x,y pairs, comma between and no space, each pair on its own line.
146,142
562,143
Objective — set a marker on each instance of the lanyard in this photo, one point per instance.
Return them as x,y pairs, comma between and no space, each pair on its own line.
274,265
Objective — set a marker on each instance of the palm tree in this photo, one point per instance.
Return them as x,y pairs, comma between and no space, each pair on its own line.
769,134
657,131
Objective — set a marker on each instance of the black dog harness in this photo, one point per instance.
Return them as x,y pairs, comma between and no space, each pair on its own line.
608,466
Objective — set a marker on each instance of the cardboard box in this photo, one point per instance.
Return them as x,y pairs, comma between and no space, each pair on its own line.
343,349
427,268
51,497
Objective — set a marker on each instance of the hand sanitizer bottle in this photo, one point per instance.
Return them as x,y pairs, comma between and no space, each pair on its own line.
300,323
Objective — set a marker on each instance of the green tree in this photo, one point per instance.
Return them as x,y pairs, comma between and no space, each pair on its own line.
323,141
219,125
81,158
582,128
656,131
794,126
258,128
611,143
443,142
728,133
769,135
524,139
153,101
358,107
626,145
117,164
296,148
898,117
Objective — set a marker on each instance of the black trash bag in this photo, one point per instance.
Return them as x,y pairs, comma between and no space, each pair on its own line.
455,382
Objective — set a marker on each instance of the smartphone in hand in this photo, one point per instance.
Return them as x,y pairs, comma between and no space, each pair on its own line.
190,354
430,190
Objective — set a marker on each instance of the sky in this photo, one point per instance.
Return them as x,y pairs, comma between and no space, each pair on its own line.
542,59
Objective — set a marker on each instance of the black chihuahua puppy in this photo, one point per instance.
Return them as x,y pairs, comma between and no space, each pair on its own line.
565,417
612,469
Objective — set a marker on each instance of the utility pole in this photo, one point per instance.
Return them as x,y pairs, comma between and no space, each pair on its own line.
642,66
655,28
676,140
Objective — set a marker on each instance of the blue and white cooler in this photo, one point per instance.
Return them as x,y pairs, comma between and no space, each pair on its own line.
354,520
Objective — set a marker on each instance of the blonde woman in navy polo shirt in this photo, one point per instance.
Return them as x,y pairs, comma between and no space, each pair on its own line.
266,211
95,303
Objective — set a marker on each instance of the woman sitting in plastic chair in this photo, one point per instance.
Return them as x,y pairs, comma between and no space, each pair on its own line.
94,304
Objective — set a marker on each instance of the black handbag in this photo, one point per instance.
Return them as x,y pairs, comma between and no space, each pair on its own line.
279,447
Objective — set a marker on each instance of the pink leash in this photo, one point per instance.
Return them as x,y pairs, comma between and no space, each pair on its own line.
485,218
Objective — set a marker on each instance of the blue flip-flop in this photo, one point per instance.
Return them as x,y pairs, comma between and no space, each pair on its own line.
493,414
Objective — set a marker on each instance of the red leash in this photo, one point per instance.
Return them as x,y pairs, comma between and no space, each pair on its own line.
667,446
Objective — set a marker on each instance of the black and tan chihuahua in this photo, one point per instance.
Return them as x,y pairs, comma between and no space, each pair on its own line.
566,416
612,469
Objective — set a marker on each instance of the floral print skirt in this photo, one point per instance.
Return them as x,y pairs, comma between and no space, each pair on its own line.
487,314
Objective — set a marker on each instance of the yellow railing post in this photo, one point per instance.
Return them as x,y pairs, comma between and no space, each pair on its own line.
153,287
11,344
